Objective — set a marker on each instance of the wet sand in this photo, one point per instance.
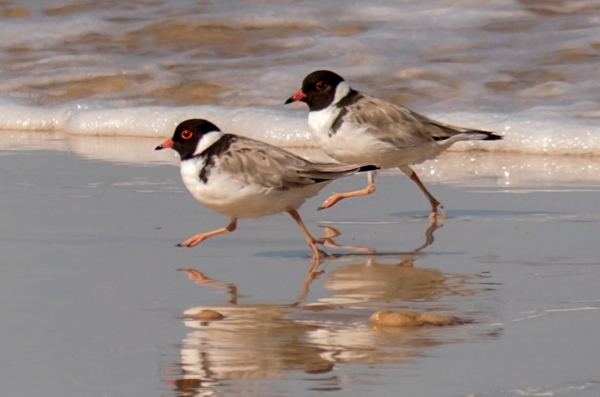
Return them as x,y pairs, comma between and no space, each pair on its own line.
94,302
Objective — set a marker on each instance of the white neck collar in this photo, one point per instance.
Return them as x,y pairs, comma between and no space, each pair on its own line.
206,141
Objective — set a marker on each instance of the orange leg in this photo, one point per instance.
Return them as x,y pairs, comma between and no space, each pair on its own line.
333,199
309,239
198,238
432,200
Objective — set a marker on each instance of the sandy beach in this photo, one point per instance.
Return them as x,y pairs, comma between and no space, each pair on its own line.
95,305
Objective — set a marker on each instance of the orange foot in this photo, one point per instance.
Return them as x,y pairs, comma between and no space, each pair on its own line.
198,238
434,216
332,200
193,241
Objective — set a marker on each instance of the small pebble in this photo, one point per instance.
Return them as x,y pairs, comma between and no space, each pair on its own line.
410,319
207,315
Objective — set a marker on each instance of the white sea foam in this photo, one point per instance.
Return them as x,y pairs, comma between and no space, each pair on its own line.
131,70
535,131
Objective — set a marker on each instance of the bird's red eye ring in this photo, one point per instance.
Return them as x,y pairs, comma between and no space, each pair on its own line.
321,85
186,134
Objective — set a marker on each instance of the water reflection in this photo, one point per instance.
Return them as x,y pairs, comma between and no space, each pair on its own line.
314,336
331,232
201,279
386,278
405,259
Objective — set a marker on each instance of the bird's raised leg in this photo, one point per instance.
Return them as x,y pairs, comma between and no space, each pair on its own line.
333,199
309,239
435,205
198,238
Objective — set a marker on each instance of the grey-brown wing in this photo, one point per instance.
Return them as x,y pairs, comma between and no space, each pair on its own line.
254,162
398,125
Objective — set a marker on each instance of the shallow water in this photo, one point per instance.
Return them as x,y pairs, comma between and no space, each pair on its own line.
524,68
98,307
475,168
98,302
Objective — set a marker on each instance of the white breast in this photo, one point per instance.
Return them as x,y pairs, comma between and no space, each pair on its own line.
190,173
320,122
220,191
350,144
228,196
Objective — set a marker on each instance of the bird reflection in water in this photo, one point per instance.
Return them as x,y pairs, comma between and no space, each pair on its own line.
202,279
404,260
266,341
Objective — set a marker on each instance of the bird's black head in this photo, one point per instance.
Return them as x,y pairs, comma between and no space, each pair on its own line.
318,89
190,136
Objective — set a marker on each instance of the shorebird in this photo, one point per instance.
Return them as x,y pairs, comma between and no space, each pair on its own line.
245,178
354,127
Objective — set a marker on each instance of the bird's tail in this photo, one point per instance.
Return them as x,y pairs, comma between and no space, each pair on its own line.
468,135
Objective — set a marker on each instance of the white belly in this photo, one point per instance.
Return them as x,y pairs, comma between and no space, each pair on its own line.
352,145
348,145
228,196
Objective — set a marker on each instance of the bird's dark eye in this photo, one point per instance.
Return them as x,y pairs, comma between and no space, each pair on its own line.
186,134
321,85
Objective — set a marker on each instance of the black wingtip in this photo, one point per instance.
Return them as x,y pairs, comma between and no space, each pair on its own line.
493,137
490,136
